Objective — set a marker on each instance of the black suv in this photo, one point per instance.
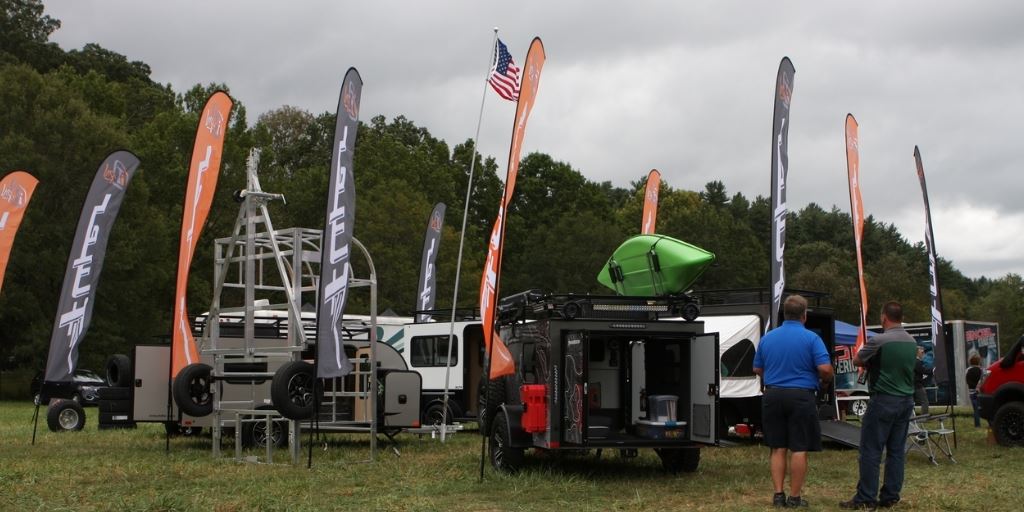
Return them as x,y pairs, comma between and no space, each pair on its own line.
86,386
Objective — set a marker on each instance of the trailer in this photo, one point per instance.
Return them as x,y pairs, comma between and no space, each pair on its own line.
596,372
257,343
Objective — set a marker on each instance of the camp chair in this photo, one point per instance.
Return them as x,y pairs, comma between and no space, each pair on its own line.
938,435
918,438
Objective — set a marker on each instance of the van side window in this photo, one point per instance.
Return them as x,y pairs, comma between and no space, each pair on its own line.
430,351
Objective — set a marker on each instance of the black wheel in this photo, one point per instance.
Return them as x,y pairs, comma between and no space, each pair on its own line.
675,460
192,390
255,433
292,390
434,414
65,416
690,311
859,407
174,429
504,457
491,397
1008,424
119,371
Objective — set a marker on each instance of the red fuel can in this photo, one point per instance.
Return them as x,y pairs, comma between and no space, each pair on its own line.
535,407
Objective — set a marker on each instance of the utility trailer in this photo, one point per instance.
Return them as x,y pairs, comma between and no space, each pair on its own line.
256,345
602,372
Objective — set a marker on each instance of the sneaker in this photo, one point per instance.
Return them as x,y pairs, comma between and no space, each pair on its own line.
795,502
856,505
779,500
888,503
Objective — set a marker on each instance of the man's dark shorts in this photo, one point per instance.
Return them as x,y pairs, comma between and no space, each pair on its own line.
790,419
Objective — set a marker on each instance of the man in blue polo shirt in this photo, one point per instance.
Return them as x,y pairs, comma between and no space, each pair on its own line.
793,365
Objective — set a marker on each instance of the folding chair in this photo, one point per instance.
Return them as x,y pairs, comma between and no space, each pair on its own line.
918,438
938,436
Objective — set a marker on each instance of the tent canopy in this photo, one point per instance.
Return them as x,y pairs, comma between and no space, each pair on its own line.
846,334
738,336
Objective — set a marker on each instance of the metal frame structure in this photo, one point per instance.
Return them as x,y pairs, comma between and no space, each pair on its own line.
266,265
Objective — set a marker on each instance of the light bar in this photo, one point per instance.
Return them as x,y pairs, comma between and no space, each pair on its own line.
627,326
630,307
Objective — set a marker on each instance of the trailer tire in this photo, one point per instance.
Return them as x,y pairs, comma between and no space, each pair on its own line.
859,407
1008,424
65,416
293,388
504,457
434,414
119,371
254,433
192,390
491,397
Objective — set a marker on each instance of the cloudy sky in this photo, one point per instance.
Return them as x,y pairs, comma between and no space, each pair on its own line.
685,87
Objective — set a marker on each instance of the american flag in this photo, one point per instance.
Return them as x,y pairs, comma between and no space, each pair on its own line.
504,75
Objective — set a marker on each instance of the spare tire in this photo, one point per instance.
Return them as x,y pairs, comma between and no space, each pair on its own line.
119,371
491,396
192,390
293,388
65,416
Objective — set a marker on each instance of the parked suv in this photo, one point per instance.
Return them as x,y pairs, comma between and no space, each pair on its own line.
86,387
1001,397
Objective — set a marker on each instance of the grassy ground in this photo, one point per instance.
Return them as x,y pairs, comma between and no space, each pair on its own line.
129,470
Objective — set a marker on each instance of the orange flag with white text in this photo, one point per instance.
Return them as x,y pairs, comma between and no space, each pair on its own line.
15,192
501,362
650,203
857,212
202,182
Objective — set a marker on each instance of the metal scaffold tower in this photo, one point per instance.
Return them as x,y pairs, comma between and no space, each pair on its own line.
262,317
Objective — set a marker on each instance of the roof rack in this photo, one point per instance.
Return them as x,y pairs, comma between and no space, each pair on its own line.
538,304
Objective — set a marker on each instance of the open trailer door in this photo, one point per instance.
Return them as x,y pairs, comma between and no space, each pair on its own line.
704,386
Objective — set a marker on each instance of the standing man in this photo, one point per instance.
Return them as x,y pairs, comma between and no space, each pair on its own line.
792,363
890,358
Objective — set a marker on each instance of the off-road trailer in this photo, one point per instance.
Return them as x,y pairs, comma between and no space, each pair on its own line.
603,372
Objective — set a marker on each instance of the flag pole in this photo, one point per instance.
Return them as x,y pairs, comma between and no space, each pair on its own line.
462,238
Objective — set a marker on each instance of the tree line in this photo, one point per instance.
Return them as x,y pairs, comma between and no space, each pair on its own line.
62,111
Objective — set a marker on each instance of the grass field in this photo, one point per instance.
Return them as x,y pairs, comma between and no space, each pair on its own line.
129,470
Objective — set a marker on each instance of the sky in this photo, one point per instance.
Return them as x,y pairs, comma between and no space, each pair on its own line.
684,87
